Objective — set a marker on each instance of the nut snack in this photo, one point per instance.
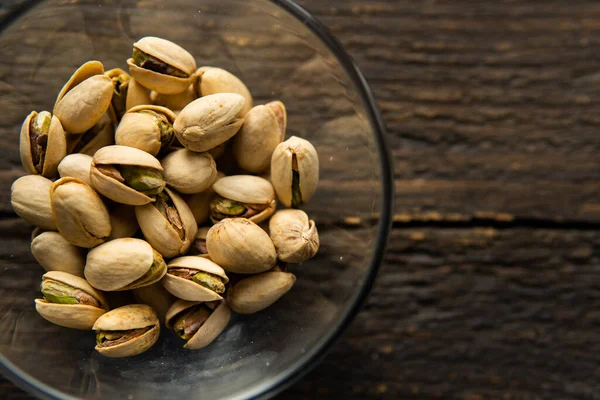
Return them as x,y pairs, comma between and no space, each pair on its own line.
162,195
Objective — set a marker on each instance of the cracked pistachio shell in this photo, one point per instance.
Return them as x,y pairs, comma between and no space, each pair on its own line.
239,245
30,199
198,247
128,93
54,253
199,203
112,188
156,296
175,102
170,54
76,166
187,289
84,98
209,121
297,157
123,221
259,291
121,263
212,80
248,190
129,317
140,130
210,329
51,150
75,316
161,233
263,129
295,237
100,135
189,172
79,214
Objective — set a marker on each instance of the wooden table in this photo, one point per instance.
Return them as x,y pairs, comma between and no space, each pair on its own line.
491,286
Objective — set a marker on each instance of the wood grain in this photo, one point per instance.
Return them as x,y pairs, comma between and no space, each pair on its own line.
490,286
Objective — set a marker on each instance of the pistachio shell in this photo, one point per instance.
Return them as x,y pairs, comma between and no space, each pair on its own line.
117,264
156,296
76,166
87,70
246,189
137,95
189,172
133,316
209,121
54,151
175,102
123,221
83,105
100,135
78,212
239,245
30,199
258,137
76,316
210,329
110,187
259,291
159,232
296,239
140,130
283,166
211,80
55,253
188,290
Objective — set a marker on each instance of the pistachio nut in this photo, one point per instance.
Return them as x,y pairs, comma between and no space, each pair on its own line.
195,279
30,199
127,93
43,144
100,135
209,121
79,214
167,223
263,129
76,166
70,301
124,264
156,296
148,128
175,102
199,203
295,237
259,291
161,65
295,171
198,323
211,80
55,253
127,331
127,175
84,98
198,247
189,172
239,245
243,196
123,221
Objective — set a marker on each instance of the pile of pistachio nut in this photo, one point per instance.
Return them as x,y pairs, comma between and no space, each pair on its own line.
126,192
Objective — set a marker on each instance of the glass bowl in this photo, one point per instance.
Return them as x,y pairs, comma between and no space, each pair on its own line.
281,52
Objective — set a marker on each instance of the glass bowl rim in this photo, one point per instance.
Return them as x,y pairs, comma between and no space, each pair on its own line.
311,358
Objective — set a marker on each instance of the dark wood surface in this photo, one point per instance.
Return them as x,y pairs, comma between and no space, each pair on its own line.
491,286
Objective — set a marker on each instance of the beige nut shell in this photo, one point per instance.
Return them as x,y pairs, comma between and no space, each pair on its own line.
259,291
133,316
30,199
158,231
209,331
189,172
56,148
189,290
105,136
76,166
295,237
140,130
55,253
212,80
247,189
